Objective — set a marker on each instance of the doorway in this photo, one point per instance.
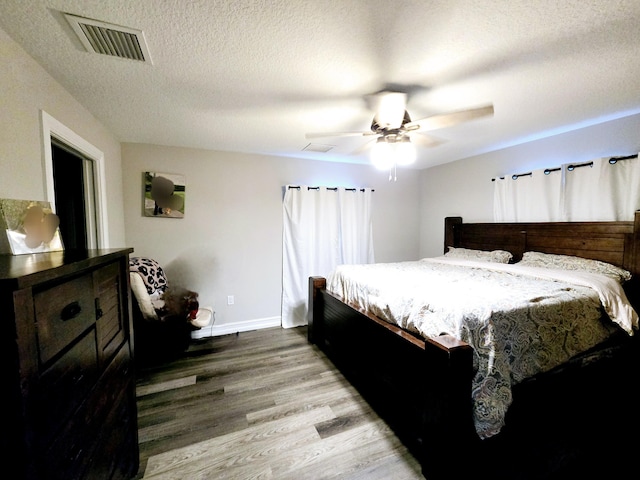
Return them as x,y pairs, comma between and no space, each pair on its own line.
75,185
68,184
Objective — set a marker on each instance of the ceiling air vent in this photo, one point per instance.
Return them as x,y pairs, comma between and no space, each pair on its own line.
109,39
316,147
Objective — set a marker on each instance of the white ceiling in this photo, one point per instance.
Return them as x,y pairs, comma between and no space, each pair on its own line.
255,76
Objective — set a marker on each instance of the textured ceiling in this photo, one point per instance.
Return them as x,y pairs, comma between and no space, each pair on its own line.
255,76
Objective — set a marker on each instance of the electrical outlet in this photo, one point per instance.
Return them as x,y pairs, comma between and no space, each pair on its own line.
230,300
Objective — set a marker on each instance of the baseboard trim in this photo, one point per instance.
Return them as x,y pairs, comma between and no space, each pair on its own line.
228,328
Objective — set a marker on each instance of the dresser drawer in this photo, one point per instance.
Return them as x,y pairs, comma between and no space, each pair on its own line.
103,418
63,312
65,384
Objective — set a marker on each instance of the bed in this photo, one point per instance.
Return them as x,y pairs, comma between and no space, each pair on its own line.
429,385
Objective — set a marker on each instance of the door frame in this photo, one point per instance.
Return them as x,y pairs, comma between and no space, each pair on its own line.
94,180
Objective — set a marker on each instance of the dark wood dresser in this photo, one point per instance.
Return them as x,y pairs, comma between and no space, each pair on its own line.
67,366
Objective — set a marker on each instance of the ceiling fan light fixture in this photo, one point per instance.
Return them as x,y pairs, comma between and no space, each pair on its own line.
382,154
391,150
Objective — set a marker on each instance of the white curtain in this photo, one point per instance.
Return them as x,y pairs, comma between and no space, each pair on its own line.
534,197
589,191
602,191
322,228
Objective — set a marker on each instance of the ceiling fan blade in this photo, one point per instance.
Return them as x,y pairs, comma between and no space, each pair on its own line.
389,108
338,134
449,119
424,140
364,147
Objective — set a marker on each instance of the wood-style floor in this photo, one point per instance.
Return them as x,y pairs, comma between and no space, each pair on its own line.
267,404
260,405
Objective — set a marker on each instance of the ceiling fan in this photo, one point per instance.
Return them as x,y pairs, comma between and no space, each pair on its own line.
392,126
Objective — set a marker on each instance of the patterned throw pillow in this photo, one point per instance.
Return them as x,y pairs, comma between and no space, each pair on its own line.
151,272
569,262
495,256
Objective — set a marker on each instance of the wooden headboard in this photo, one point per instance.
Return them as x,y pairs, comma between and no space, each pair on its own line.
617,243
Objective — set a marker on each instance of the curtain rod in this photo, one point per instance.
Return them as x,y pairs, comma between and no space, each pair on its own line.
571,167
518,175
614,160
335,189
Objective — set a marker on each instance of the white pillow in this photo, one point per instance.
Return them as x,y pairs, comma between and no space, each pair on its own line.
495,256
570,262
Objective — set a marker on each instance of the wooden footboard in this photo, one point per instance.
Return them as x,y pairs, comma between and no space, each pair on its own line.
421,388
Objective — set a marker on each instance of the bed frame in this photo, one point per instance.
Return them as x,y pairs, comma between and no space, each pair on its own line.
430,409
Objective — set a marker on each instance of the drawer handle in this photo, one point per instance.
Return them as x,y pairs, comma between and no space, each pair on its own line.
70,311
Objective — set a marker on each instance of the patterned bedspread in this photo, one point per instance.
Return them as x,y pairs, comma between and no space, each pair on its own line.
520,321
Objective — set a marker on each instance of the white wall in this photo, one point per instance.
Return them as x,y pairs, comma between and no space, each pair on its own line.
464,188
26,89
230,240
